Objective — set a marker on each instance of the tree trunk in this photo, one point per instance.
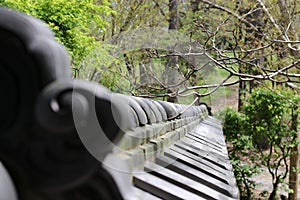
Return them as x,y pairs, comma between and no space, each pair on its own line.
241,96
194,78
274,191
173,61
195,5
174,15
145,79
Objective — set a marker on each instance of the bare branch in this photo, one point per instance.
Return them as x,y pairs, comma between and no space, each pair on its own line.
283,34
230,12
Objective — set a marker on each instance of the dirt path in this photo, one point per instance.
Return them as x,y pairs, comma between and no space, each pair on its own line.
264,183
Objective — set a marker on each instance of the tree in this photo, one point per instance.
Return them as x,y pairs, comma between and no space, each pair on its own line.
240,150
171,69
76,23
242,42
268,121
263,135
294,158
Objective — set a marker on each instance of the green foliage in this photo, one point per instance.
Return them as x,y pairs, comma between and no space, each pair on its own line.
265,111
76,23
240,150
261,136
269,115
268,121
233,123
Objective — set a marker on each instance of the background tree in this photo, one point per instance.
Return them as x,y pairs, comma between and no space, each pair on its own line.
246,41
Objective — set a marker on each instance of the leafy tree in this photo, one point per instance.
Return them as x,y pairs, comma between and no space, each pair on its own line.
268,119
240,149
264,135
76,23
